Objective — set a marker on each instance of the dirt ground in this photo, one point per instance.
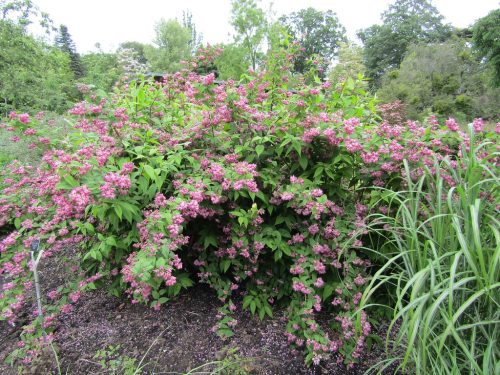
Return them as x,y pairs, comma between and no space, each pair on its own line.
174,340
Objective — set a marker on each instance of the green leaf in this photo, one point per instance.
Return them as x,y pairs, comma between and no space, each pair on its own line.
277,255
297,146
225,332
246,301
285,248
208,240
318,172
303,162
262,313
118,254
150,172
118,210
253,306
111,241
225,264
70,181
268,310
243,221
259,149
162,300
327,291
185,281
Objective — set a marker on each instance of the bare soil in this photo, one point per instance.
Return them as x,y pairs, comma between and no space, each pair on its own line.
174,340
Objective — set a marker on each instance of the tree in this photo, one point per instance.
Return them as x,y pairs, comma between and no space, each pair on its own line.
486,38
172,46
405,22
443,78
23,13
33,75
19,11
102,70
232,62
138,49
318,33
187,22
249,22
130,62
65,43
349,65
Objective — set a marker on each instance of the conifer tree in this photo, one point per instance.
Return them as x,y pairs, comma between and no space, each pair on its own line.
65,43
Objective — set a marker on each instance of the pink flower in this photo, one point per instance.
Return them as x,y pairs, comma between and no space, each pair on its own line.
369,157
313,229
297,180
478,125
452,124
352,145
299,286
319,267
80,197
75,296
209,79
24,118
160,200
107,191
66,309
27,224
127,168
310,134
359,280
317,193
319,282
120,113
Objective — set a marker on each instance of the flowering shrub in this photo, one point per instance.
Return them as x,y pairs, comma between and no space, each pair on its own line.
258,188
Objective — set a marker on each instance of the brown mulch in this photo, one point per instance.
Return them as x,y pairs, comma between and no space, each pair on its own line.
174,340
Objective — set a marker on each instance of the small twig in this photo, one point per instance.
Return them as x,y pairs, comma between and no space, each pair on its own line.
89,361
192,312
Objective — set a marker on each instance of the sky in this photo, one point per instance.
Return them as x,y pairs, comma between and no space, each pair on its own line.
110,22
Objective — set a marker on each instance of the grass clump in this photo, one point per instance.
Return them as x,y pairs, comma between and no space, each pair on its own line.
443,253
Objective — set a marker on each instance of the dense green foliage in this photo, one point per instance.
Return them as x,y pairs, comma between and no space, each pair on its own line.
445,79
102,70
411,57
250,24
33,75
319,35
232,62
406,22
443,265
65,43
196,38
349,65
172,45
486,39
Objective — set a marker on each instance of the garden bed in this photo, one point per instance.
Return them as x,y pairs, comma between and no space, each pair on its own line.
178,337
